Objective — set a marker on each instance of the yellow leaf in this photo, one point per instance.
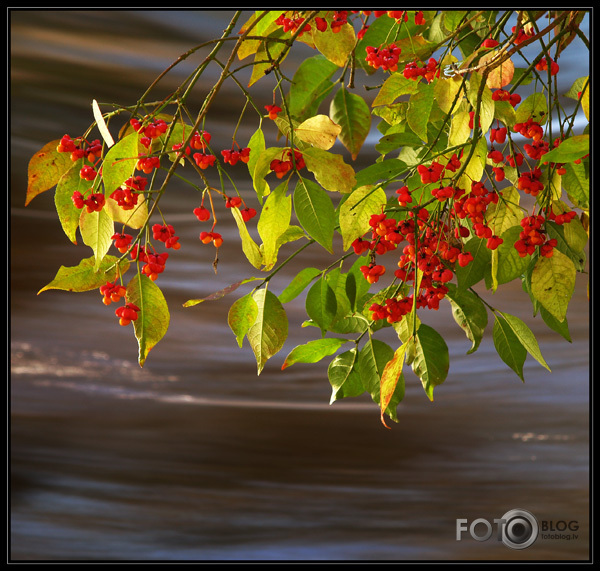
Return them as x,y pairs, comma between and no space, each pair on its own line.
501,75
319,131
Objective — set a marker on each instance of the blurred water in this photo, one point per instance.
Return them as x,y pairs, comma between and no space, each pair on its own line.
194,457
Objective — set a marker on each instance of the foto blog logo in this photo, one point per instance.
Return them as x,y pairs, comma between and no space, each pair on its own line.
517,529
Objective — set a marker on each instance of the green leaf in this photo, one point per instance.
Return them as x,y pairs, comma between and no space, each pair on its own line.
568,243
459,129
352,114
315,212
577,185
270,330
569,150
506,213
475,167
446,92
45,169
508,346
83,277
336,47
475,271
553,283
486,107
356,212
242,315
419,109
372,360
392,380
97,230
313,351
321,304
298,284
68,214
291,234
268,51
262,168
120,161
264,25
310,85
249,246
344,377
525,337
533,107
561,327
470,314
273,222
330,170
385,170
257,146
393,87
510,265
153,318
431,358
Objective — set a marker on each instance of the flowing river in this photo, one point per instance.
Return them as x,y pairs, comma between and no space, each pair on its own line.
195,457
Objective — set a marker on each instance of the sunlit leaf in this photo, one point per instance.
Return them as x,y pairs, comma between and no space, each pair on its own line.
525,336
310,85
68,214
321,304
419,109
470,314
356,212
242,315
330,170
97,230
273,222
319,131
508,346
344,376
298,284
352,114
569,150
249,246
553,282
153,318
119,162
313,351
431,358
392,380
84,276
45,169
270,330
315,212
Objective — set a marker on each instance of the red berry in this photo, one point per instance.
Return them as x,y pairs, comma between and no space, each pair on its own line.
202,213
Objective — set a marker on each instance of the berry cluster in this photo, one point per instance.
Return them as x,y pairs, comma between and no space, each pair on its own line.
282,167
149,131
427,71
127,313
80,149
166,233
292,23
385,58
533,236
112,292
93,203
427,248
233,156
127,195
